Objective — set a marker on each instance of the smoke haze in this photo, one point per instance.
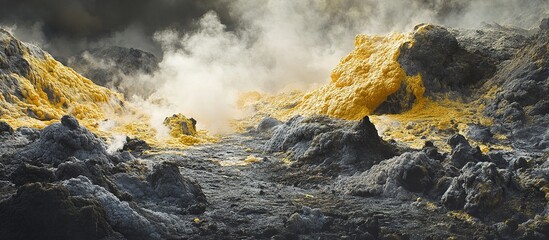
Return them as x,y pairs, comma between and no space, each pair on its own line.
213,50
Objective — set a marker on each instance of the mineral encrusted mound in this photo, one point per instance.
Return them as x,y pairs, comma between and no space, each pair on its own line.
169,185
117,67
443,64
323,140
46,211
180,125
396,177
35,88
60,141
479,188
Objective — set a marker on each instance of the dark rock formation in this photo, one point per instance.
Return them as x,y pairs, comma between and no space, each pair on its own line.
326,141
169,185
60,141
117,68
396,177
94,170
478,189
443,64
122,217
26,173
463,153
45,211
135,146
5,128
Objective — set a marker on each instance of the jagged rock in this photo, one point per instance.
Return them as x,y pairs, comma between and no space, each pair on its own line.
120,214
396,177
117,68
26,173
463,152
323,140
169,185
60,141
311,220
94,170
46,211
5,128
478,188
442,63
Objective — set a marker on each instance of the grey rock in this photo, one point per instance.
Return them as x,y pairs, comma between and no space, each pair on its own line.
443,64
398,177
26,173
122,217
60,141
322,140
5,128
46,211
463,153
479,188
169,185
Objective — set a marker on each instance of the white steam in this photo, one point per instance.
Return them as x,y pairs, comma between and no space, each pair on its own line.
283,45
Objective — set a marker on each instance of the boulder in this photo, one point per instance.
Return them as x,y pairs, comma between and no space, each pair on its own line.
479,188
169,185
323,140
399,177
60,141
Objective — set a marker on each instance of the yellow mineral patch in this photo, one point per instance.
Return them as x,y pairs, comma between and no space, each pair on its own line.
252,159
52,90
363,80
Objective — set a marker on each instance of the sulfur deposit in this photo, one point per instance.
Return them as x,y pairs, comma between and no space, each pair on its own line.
364,79
36,89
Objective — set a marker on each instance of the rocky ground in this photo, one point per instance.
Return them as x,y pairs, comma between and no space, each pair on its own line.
310,177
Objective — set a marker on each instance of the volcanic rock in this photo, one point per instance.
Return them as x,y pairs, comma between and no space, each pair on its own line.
520,107
122,217
5,128
60,141
169,185
478,188
46,211
396,177
442,63
463,152
323,140
26,173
